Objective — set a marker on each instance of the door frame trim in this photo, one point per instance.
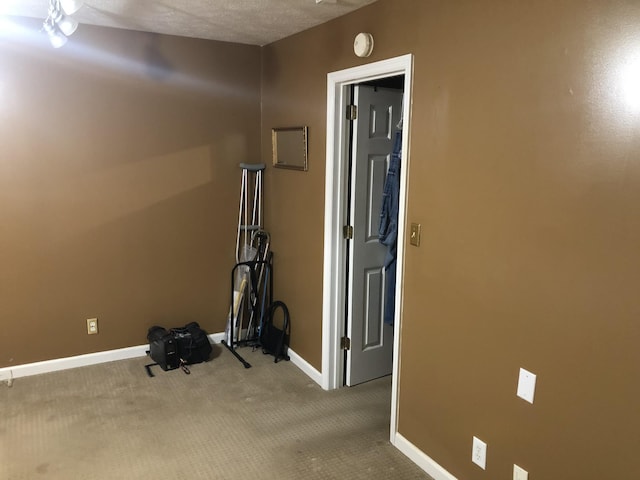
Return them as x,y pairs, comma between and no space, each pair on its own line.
334,284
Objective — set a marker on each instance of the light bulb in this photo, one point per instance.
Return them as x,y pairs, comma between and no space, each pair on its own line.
56,37
71,6
66,23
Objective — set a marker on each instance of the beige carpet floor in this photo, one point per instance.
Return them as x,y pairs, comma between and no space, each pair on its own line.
223,421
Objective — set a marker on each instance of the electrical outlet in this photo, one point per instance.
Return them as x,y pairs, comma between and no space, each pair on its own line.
519,473
92,326
479,453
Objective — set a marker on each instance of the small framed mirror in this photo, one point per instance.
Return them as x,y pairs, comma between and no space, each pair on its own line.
290,148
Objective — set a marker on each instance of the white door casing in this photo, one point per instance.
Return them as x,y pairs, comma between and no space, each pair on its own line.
370,354
335,201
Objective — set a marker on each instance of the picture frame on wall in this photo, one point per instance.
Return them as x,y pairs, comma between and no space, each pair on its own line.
290,148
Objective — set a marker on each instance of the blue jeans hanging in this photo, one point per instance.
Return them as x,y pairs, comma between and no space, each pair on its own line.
388,229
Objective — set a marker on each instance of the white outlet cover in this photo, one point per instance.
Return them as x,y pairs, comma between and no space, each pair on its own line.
479,453
520,473
526,385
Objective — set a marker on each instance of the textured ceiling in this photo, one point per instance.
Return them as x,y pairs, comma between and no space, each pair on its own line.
255,22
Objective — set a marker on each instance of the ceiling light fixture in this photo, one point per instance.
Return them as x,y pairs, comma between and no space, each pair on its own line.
59,24
71,6
56,37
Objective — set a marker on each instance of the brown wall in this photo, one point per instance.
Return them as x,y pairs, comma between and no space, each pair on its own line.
525,175
118,186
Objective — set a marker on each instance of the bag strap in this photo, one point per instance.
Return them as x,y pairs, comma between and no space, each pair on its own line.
183,366
148,369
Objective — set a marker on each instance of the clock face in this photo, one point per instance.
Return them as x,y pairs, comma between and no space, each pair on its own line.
363,44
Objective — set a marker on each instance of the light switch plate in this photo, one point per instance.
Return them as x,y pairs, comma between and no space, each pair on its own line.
526,385
414,237
520,473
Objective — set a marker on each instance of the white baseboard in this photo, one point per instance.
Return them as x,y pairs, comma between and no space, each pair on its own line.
305,366
48,366
57,364
216,337
424,461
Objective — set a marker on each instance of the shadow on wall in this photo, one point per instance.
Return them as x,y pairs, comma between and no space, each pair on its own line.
157,64
102,196
150,266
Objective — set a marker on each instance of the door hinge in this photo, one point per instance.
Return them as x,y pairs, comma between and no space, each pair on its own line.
352,112
345,343
347,232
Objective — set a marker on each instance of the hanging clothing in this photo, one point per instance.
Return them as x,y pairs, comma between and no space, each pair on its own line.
388,229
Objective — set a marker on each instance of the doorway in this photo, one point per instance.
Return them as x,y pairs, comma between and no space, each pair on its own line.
375,123
335,285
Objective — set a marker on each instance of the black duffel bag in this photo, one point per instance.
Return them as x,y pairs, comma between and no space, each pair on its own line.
163,349
178,347
193,343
